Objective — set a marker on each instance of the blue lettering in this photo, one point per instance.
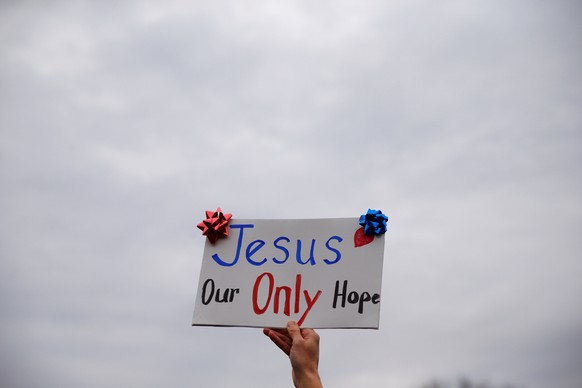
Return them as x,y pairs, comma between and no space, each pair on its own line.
238,246
311,260
282,244
281,248
251,250
338,254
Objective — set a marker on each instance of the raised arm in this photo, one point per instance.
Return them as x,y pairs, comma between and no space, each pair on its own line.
302,347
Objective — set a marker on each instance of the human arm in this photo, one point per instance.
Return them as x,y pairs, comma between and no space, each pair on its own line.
302,347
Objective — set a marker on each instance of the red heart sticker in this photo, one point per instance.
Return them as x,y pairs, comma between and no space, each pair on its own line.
360,238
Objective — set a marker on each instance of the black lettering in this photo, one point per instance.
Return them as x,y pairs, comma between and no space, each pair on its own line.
233,291
363,299
206,300
337,294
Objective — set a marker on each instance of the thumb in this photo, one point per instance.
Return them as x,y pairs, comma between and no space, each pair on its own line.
294,331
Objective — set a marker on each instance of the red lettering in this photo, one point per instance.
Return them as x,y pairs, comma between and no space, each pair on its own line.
287,308
297,292
310,304
286,293
256,307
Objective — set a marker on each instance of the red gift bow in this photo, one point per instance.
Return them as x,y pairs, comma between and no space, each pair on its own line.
215,225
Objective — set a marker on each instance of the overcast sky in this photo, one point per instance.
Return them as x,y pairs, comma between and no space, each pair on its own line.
122,122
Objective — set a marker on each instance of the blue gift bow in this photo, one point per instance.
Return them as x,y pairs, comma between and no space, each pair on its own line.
374,222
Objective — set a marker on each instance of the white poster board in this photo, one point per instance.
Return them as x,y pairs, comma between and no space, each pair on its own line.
267,272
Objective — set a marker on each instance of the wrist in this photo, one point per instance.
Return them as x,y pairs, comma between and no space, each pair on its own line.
307,379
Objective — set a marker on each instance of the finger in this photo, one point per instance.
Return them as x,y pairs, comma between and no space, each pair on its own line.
279,330
281,334
294,331
282,341
310,334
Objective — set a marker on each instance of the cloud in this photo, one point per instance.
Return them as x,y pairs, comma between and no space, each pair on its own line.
121,123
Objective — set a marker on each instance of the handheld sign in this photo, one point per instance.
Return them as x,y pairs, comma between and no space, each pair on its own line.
322,273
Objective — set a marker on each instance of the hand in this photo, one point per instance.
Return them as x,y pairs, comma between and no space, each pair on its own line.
302,347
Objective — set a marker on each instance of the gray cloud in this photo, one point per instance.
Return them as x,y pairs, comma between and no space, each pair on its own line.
121,123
